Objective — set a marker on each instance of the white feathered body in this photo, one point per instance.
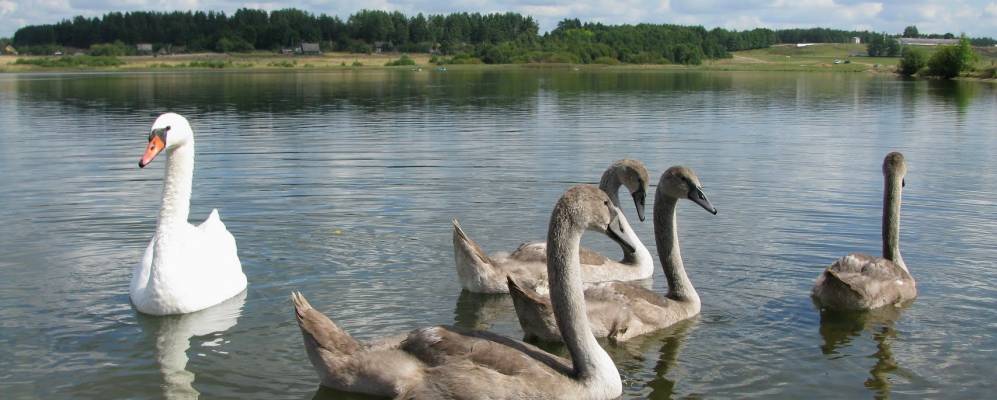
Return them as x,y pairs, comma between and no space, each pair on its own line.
187,268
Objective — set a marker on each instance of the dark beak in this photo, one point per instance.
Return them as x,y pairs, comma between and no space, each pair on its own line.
903,182
697,196
617,232
639,197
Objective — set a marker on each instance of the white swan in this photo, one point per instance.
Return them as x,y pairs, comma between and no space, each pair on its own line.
862,282
185,268
448,363
481,273
624,310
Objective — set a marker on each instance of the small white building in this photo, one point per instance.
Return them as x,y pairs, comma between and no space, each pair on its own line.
856,40
310,48
144,48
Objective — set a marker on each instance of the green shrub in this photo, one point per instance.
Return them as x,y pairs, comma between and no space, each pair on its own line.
357,63
463,58
233,44
420,47
644,57
216,64
68,62
404,60
686,54
40,50
283,64
358,46
115,49
606,61
950,61
912,61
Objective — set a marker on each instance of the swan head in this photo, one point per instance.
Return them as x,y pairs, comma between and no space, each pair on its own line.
894,165
591,208
168,132
680,182
633,174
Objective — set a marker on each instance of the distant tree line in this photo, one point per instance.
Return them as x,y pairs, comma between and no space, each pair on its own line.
249,29
882,45
821,35
912,32
465,37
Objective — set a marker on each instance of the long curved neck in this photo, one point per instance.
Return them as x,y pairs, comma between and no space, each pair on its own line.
177,186
641,256
666,237
610,183
593,366
891,220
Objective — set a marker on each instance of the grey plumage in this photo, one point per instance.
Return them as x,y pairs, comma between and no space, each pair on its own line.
624,310
482,273
862,282
443,362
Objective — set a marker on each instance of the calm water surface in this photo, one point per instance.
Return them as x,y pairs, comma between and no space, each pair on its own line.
342,185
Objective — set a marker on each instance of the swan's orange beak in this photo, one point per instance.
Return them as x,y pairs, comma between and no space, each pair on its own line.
156,146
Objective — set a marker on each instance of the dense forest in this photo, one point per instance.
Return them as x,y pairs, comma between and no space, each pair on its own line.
473,37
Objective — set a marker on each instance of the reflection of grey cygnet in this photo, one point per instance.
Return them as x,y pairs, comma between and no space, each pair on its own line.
481,273
624,310
839,328
862,282
173,334
445,362
185,268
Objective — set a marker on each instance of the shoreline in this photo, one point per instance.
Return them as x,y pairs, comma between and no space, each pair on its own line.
761,60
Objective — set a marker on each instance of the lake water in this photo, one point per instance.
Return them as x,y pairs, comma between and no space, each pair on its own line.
342,185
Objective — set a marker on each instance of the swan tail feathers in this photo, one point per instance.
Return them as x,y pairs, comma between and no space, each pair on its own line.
836,292
214,221
319,332
473,265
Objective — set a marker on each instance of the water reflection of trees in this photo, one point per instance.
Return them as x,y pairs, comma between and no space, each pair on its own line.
376,90
839,329
364,90
958,93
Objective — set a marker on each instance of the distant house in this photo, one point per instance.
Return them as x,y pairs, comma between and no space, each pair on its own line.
381,46
286,51
856,39
928,42
310,48
144,48
805,44
10,50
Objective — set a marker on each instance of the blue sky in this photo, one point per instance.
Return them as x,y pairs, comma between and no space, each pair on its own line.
974,17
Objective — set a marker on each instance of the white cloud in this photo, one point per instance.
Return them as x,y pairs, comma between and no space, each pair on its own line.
7,7
991,9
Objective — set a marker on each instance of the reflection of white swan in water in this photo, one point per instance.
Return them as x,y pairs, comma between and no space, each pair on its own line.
173,334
